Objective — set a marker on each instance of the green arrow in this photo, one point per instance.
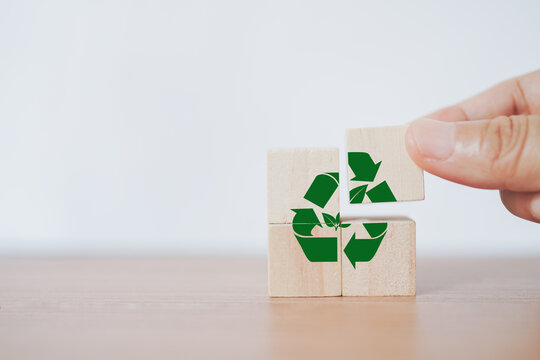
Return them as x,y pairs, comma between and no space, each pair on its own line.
381,193
375,229
322,188
304,221
316,249
362,250
319,249
363,167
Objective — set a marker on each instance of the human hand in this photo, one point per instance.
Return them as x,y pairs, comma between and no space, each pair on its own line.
490,141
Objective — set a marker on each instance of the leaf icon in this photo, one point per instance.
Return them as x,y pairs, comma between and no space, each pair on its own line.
329,220
344,225
357,194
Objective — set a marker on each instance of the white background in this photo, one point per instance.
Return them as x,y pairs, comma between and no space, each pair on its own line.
141,127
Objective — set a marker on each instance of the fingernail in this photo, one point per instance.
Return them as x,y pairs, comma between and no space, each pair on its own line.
434,139
535,207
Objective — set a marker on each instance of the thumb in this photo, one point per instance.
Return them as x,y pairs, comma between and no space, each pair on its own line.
502,153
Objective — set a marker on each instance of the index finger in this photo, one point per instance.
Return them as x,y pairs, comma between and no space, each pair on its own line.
517,96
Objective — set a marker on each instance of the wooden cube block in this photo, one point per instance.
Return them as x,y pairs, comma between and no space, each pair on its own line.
379,257
302,178
304,265
380,169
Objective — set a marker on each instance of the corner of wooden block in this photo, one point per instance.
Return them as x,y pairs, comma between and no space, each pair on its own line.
379,166
380,257
292,274
290,175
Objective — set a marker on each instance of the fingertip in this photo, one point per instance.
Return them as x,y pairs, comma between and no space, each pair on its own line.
535,207
429,139
451,114
410,144
525,205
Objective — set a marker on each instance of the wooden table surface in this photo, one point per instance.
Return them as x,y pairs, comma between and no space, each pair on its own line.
203,308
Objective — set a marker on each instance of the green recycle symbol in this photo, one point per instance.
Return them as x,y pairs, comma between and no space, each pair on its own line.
323,187
365,170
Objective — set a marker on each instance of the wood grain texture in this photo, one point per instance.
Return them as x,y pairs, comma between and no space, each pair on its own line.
291,274
392,271
387,144
290,173
218,308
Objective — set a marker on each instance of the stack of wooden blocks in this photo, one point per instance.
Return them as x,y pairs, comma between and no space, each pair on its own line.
311,250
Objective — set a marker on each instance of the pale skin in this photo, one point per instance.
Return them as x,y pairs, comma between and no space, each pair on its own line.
490,141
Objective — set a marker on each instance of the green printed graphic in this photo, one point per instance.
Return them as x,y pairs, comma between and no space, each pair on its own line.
365,169
381,193
363,250
357,194
322,189
318,249
334,222
304,221
375,229
305,216
322,249
319,193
